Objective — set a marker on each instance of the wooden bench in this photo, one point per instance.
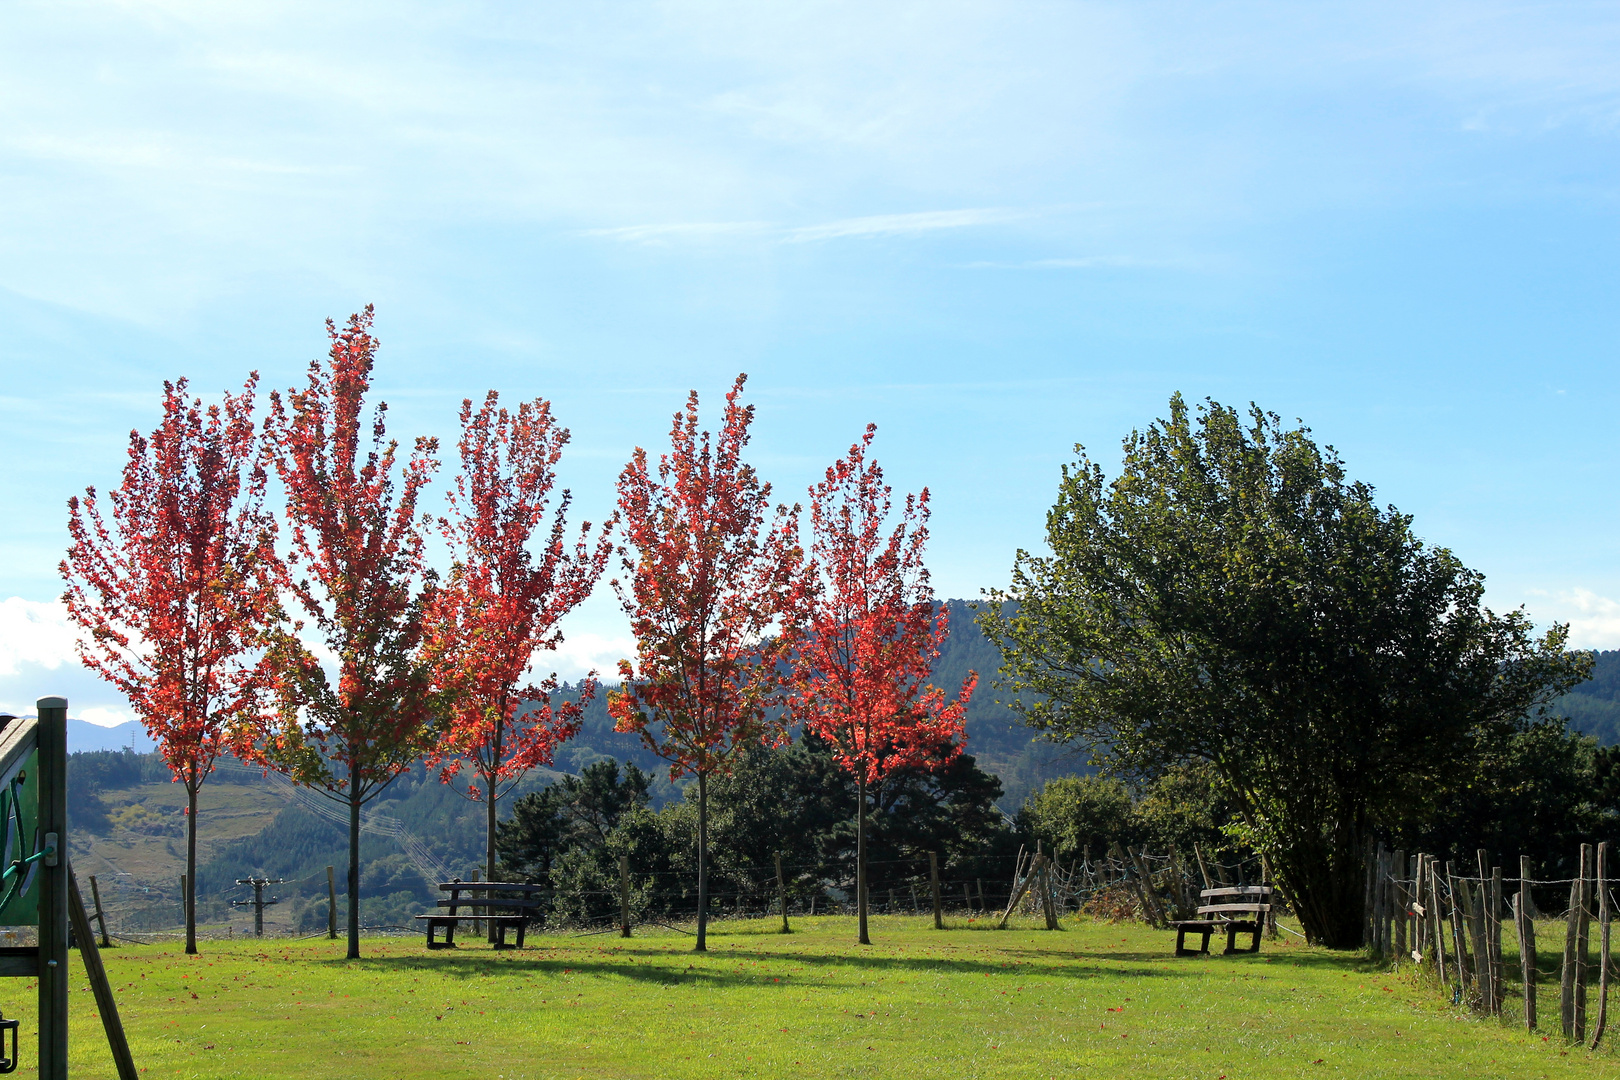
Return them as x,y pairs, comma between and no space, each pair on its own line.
502,913
1223,909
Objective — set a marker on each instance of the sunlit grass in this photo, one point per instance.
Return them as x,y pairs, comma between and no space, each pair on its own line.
1096,1000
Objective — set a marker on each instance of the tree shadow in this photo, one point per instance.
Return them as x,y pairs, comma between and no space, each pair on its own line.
652,964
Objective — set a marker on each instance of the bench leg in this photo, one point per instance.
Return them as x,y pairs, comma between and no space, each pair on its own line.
1231,939
1204,949
522,926
1256,946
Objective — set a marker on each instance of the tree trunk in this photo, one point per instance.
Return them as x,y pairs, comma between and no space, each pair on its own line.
1326,880
860,856
489,854
703,864
191,864
494,775
354,869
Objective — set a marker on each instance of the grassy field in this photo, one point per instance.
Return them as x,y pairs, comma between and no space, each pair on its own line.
1095,1000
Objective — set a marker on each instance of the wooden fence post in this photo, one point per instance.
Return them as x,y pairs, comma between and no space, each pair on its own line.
1582,937
1603,942
101,917
1459,928
1566,972
781,893
1437,924
933,881
1527,958
331,905
1047,900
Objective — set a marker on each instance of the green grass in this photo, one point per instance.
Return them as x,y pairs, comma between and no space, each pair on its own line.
1097,1000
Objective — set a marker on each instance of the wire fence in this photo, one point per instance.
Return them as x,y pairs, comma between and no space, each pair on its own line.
1123,884
1449,922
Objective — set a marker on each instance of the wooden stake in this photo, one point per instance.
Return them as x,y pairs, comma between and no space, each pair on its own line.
1566,973
1397,898
1582,936
1202,869
331,905
1495,934
101,918
781,893
1046,894
624,895
1018,893
933,881
106,1003
1603,942
1529,901
1459,928
1527,958
1437,922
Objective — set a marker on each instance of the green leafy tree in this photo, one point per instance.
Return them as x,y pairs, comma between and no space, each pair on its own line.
1233,598
575,812
1075,814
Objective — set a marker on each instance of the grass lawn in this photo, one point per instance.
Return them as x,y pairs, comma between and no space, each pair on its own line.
1097,1000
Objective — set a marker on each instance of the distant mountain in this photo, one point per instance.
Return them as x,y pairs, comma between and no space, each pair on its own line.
1593,708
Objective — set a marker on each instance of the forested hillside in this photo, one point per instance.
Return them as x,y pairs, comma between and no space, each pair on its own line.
1593,708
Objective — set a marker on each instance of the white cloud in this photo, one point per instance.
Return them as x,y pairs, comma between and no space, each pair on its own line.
1594,621
582,652
35,632
102,717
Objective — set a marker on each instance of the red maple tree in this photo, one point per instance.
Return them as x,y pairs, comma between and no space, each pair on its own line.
709,582
501,604
867,637
357,570
176,589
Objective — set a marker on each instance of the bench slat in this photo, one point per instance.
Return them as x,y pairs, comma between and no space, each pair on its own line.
1238,890
1233,909
495,886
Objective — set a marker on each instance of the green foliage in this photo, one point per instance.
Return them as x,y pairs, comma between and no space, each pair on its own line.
1184,806
1076,815
794,802
573,813
1233,598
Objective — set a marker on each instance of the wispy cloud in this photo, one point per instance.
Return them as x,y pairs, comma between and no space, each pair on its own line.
685,230
902,224
913,224
1088,262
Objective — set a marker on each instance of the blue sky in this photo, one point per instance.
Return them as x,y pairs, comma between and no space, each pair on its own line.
994,229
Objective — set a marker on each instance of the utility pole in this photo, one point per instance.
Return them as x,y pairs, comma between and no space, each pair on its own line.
258,901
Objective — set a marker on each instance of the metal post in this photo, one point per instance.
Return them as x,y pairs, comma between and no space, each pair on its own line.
53,890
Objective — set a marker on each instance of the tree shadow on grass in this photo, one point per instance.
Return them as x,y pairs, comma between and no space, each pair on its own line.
723,966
